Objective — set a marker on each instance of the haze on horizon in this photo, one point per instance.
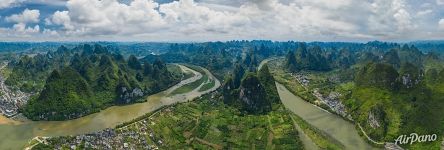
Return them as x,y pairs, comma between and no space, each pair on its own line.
213,20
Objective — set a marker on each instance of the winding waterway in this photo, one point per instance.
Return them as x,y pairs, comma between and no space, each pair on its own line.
341,130
15,135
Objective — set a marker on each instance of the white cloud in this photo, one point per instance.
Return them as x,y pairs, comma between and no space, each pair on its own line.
93,17
60,18
12,3
424,12
27,16
440,2
22,29
47,2
403,20
50,32
7,3
187,18
193,18
441,24
202,20
390,18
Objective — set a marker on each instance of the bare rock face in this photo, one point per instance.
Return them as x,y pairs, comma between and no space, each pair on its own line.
410,76
372,121
409,81
377,119
128,96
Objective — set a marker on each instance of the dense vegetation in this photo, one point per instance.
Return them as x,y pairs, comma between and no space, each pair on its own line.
205,123
399,100
251,92
395,90
358,71
222,57
85,79
389,89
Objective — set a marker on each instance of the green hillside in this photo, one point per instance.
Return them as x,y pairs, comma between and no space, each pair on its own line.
88,80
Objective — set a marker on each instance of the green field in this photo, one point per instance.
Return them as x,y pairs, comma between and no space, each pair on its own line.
205,80
211,123
176,69
190,86
204,123
208,85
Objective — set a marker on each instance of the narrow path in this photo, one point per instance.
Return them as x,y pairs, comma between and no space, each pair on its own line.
38,142
368,138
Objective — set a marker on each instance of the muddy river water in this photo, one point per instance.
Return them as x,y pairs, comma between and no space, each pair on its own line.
15,134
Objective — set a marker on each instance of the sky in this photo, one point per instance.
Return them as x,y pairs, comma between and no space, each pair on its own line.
217,20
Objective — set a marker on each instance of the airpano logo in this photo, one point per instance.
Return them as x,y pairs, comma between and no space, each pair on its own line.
414,137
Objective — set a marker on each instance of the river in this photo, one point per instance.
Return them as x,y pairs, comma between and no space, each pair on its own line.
14,135
335,126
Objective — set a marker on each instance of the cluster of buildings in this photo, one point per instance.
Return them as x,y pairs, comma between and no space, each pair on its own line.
332,100
134,136
10,100
301,78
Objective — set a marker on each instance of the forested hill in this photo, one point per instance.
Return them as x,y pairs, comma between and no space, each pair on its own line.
251,91
389,90
316,58
74,82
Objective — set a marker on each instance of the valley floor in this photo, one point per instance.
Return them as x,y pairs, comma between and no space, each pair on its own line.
106,118
201,124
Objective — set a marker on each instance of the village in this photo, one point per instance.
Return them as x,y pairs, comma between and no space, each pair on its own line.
332,100
137,135
10,100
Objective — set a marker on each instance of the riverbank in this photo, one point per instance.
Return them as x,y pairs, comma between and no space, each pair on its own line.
8,121
16,136
335,126
320,138
204,123
298,84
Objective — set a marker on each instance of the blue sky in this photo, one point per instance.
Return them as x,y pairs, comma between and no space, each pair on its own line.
216,20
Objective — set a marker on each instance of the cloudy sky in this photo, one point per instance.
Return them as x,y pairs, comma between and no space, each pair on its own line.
217,20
